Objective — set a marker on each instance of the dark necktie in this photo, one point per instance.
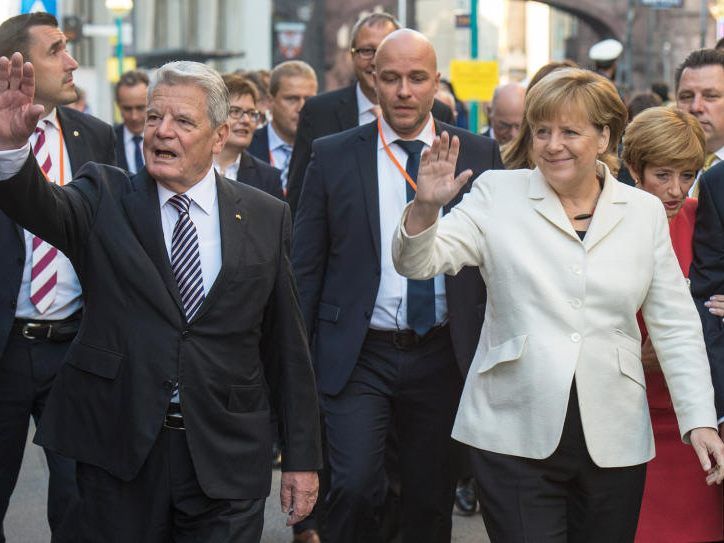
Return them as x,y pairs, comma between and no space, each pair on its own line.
185,257
420,294
137,152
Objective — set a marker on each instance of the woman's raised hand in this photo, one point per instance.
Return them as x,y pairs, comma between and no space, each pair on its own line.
436,182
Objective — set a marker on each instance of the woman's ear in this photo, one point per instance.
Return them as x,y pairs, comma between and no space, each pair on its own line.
603,139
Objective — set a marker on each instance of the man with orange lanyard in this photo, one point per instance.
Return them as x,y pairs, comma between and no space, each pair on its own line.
40,297
291,84
388,352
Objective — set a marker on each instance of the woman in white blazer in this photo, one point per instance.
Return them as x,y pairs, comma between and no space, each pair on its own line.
555,401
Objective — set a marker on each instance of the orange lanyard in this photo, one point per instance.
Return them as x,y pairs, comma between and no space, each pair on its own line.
392,156
61,182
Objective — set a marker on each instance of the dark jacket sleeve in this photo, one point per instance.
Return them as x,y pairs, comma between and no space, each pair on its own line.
300,158
284,347
707,272
311,241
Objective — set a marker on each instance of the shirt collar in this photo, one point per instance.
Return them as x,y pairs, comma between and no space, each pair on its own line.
202,193
50,118
236,163
275,142
363,103
720,153
128,135
426,136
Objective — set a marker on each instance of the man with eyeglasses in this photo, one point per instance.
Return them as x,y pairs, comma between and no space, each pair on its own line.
506,113
291,84
351,106
132,99
233,161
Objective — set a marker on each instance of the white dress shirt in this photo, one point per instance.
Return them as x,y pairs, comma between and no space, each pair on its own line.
130,149
277,156
231,171
204,213
390,312
365,107
67,291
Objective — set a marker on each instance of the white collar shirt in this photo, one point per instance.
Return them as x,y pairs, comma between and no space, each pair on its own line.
204,213
231,171
365,107
67,291
390,311
130,147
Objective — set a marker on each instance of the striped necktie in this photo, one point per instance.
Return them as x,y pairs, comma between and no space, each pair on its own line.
287,150
185,257
44,265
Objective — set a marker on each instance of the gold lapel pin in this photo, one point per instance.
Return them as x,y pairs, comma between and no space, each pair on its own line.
238,216
76,133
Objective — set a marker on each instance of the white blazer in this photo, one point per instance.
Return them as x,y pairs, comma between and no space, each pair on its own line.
558,307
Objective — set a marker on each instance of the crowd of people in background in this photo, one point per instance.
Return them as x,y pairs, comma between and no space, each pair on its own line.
405,317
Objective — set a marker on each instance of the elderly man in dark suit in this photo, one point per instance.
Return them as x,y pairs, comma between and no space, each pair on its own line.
388,352
351,106
40,297
234,162
191,335
132,99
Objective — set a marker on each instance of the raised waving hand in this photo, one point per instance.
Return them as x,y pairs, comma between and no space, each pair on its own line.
18,114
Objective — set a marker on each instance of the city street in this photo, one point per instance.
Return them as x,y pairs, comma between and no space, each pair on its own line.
25,521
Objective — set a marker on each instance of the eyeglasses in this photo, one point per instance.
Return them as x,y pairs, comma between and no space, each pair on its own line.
367,53
237,113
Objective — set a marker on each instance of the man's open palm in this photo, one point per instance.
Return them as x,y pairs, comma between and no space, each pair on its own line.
18,114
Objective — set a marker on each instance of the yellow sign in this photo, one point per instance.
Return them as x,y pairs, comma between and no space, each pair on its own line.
129,63
474,79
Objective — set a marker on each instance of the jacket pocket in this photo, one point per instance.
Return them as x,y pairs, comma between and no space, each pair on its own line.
328,312
505,352
631,366
247,399
96,360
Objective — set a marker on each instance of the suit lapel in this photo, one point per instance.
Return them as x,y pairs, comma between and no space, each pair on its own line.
546,202
246,168
366,154
233,219
144,214
75,139
609,211
347,111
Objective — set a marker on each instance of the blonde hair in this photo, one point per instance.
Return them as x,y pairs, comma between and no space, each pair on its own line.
663,136
571,90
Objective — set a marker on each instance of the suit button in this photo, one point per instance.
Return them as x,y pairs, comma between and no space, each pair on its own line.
576,303
186,334
368,315
575,337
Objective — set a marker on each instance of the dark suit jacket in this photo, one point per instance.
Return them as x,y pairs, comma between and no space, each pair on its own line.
121,161
326,114
707,271
261,175
336,252
259,146
243,355
86,139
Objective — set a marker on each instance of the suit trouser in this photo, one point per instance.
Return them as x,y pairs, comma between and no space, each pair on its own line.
417,390
163,503
27,370
564,498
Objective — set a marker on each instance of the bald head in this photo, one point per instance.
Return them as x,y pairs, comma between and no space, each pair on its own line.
406,79
506,111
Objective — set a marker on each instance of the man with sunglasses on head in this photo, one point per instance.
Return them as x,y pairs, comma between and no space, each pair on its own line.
351,106
233,161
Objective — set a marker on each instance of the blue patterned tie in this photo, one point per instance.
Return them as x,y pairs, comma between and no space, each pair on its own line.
420,294
138,153
185,258
287,150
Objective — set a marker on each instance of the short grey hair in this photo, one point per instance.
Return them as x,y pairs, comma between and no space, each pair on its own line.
373,19
184,72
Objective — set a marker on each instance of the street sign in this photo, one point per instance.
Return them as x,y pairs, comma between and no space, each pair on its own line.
31,6
662,4
474,79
